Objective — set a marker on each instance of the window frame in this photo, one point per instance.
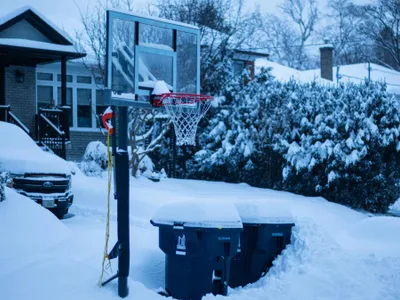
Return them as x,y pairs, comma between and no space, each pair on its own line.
93,86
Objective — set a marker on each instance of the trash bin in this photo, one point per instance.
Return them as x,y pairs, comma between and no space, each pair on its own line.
266,232
198,239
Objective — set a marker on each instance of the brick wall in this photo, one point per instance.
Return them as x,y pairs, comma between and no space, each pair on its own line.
79,141
22,96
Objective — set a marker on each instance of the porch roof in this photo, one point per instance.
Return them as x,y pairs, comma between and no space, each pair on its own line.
15,51
28,38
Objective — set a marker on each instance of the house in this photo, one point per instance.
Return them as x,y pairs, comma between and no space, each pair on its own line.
328,74
38,101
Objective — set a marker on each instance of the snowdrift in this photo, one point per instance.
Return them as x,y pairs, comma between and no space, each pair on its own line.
26,230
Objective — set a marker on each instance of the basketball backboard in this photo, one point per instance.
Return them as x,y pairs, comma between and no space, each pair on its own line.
143,50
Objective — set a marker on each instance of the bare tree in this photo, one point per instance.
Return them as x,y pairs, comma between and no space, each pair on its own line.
304,14
147,127
382,25
343,32
286,35
281,40
224,27
146,133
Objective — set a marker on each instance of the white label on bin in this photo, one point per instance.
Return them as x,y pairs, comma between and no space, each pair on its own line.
181,245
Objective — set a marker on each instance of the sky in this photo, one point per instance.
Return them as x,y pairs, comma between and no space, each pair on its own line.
65,13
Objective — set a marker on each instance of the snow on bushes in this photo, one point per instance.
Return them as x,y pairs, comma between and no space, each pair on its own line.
340,142
95,160
4,176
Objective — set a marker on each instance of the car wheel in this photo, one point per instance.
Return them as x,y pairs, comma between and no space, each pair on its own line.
61,212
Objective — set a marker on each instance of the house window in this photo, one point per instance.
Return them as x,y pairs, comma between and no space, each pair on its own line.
69,103
100,106
69,78
84,97
45,97
44,76
238,67
84,79
82,91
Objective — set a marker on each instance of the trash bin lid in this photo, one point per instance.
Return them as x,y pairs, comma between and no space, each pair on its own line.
263,212
199,214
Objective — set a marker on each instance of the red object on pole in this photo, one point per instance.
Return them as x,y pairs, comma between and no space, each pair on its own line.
107,115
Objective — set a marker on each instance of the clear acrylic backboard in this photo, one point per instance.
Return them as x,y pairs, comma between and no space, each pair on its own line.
143,50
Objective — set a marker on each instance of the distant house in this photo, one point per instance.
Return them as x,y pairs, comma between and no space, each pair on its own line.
329,74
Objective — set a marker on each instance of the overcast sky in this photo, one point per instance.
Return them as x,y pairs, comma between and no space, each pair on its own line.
65,13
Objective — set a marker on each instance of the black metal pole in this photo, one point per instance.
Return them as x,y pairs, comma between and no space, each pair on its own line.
122,176
64,81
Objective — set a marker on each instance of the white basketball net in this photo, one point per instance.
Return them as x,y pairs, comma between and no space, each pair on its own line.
185,112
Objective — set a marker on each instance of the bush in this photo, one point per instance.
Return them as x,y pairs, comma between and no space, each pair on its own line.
95,160
340,142
4,176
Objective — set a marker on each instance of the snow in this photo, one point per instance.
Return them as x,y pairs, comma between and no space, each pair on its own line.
358,73
27,230
258,212
23,9
128,96
198,213
336,253
22,155
37,45
160,87
157,46
355,73
284,74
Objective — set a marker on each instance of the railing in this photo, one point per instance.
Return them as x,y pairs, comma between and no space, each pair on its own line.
59,117
50,134
7,116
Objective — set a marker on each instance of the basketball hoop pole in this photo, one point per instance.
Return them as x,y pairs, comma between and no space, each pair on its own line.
122,194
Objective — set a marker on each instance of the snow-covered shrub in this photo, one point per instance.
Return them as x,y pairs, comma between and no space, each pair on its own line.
95,160
4,177
340,142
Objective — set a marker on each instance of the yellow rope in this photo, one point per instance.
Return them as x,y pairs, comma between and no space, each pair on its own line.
105,256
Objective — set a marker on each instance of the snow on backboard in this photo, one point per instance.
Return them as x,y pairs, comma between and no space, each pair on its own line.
143,50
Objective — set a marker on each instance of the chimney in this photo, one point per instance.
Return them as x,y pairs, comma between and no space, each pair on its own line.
326,60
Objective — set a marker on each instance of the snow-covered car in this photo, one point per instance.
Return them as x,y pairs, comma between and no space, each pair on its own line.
39,175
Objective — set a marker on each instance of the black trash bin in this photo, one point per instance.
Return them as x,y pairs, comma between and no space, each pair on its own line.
265,234
198,246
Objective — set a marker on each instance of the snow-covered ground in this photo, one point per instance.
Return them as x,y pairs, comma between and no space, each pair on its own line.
336,252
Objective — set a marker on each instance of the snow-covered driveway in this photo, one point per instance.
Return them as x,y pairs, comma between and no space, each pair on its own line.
336,253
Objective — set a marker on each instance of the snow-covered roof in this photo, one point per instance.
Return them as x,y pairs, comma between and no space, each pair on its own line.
358,73
23,43
4,19
283,73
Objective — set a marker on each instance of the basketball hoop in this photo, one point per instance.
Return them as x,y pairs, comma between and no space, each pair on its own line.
185,111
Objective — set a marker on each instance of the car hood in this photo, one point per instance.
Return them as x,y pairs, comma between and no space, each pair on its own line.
38,162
